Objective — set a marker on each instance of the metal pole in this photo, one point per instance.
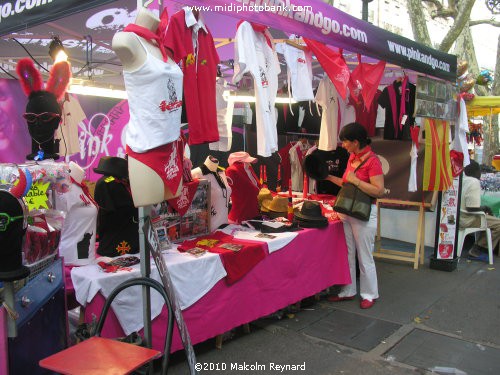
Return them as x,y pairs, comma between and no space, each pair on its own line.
364,12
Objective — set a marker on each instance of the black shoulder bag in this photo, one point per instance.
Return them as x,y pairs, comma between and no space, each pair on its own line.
352,201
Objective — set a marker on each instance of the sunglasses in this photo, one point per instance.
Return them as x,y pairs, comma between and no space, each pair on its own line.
32,118
6,219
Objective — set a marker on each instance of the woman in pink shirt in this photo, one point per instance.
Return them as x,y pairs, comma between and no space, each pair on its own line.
360,235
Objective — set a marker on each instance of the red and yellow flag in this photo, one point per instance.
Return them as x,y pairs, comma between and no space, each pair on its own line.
437,165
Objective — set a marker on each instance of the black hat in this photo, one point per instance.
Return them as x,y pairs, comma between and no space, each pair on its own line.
310,215
315,167
11,237
112,166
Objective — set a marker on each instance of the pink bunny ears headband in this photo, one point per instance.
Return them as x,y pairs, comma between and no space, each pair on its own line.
32,81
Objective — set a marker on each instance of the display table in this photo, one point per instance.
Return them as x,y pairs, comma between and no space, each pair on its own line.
314,260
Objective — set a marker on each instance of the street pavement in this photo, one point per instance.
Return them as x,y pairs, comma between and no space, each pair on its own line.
425,321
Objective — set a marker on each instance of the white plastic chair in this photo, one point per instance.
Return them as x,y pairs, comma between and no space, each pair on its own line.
463,232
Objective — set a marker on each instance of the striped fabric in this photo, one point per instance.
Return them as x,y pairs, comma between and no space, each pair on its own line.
437,165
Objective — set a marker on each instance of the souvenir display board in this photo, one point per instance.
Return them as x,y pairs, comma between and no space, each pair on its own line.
172,227
447,221
435,99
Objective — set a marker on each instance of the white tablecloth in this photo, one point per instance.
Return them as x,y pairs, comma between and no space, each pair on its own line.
279,241
191,277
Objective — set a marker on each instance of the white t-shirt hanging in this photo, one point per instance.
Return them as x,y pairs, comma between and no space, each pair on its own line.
219,197
67,132
460,139
254,55
327,97
77,244
224,119
299,71
347,112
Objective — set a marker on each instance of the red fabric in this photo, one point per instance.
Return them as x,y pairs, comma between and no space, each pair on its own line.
414,132
236,263
85,190
200,74
367,115
362,153
333,63
368,76
397,118
244,193
161,159
182,203
286,168
372,167
158,36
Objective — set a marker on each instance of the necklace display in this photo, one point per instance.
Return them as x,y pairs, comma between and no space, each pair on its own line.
41,153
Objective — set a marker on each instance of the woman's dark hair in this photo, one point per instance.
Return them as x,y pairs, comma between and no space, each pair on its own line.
473,170
355,132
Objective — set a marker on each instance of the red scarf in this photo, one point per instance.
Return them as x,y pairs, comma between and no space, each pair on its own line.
363,152
85,190
147,34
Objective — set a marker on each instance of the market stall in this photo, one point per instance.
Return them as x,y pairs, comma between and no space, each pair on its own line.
207,289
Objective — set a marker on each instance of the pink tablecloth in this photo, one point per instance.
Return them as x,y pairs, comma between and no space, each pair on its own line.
313,261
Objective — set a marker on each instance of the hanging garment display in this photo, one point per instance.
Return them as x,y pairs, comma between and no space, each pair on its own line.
311,122
437,165
192,44
299,71
398,99
67,132
328,98
225,111
367,115
254,54
461,129
288,116
365,79
333,63
297,154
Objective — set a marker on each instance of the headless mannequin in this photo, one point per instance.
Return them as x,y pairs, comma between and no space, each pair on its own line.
146,185
211,163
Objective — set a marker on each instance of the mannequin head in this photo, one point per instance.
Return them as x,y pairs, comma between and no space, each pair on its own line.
43,115
76,172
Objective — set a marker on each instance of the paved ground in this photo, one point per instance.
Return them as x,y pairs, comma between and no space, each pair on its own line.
426,321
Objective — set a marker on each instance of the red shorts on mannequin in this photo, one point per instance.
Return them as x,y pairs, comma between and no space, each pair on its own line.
165,160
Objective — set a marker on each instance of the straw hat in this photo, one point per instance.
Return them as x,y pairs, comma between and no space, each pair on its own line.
264,195
276,207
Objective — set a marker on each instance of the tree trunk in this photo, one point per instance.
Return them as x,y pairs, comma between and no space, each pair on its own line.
492,143
418,22
460,23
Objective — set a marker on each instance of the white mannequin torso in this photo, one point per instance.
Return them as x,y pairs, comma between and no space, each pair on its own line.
146,185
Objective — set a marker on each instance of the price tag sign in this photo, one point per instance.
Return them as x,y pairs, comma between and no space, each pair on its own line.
37,196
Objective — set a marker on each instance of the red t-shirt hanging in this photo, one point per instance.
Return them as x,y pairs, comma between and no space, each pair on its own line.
200,72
